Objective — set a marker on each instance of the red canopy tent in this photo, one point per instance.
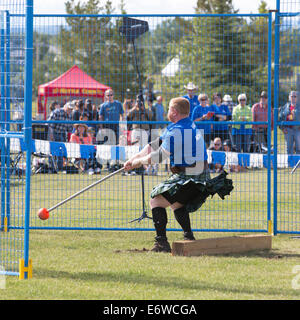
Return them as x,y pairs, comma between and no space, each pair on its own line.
74,82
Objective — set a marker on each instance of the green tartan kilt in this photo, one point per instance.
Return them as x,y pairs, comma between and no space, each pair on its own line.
203,183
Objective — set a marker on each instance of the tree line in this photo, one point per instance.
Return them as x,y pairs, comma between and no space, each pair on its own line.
227,54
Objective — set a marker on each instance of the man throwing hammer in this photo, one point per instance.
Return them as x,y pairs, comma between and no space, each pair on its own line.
189,185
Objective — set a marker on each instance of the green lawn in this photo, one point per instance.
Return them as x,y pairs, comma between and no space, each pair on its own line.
109,264
112,265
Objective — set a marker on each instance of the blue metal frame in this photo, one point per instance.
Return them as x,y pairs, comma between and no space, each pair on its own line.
7,108
269,190
276,90
27,135
145,15
2,117
27,124
269,113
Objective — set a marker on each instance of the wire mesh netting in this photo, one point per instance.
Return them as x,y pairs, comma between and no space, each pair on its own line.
288,203
12,70
102,83
78,57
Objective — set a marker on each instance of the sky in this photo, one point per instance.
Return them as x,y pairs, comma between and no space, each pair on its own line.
152,7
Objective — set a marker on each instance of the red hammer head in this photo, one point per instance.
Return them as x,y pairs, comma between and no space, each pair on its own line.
43,214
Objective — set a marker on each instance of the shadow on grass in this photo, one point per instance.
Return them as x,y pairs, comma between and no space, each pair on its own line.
169,282
267,254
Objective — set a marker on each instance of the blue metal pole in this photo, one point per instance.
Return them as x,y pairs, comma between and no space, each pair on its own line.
27,123
269,118
2,116
7,107
276,94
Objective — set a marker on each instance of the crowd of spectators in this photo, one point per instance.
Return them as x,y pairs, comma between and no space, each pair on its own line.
242,136
110,131
213,117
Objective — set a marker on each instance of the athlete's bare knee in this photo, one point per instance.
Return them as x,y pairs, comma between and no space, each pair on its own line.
176,205
159,201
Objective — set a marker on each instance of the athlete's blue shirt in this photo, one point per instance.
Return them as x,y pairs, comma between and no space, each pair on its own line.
184,142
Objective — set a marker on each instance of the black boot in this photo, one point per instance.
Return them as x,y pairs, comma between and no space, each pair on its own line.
183,218
161,245
188,236
160,221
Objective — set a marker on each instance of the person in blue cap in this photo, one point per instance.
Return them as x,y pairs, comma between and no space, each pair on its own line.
190,184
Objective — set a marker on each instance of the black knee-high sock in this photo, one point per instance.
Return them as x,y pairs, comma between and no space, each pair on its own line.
160,221
183,218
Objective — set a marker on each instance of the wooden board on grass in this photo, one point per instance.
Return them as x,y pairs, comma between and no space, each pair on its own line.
225,245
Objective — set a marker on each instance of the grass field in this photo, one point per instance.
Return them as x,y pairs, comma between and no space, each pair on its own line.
119,200
117,264
107,265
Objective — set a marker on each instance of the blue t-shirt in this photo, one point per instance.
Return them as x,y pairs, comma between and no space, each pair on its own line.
199,112
224,111
111,111
193,102
159,110
184,142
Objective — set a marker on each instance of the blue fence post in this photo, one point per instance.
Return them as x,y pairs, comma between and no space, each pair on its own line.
270,227
27,124
276,94
2,116
7,107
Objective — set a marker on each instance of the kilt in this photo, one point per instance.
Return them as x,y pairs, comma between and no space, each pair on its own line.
193,190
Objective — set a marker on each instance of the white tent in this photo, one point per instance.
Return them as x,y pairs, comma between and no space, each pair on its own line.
171,68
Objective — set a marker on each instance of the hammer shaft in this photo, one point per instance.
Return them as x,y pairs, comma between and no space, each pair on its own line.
85,189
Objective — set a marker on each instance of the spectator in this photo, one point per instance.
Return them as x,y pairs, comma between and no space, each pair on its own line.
111,110
78,110
241,133
227,147
222,113
228,101
140,132
93,164
18,115
81,136
204,112
95,117
217,146
160,112
152,169
92,134
193,99
153,130
149,96
291,112
127,105
60,130
54,105
216,165
259,114
153,112
88,108
125,128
